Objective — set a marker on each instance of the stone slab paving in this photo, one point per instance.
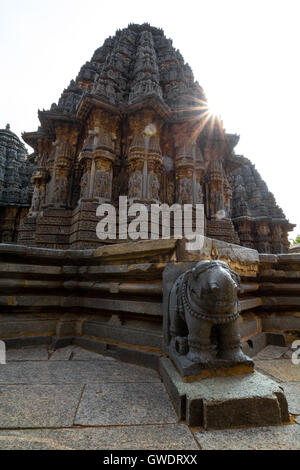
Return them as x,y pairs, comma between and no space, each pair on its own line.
51,372
124,404
75,353
32,406
271,352
27,354
281,369
292,393
62,354
166,437
80,354
75,399
264,438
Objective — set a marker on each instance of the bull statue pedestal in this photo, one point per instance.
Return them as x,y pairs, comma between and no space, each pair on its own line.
211,381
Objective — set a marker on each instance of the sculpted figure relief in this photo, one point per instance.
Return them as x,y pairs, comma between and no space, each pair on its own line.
203,301
170,194
185,191
153,186
102,185
84,184
36,201
135,185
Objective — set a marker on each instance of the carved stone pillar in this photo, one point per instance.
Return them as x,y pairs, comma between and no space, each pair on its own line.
103,156
135,184
215,204
85,160
277,238
263,236
85,180
227,197
244,228
65,144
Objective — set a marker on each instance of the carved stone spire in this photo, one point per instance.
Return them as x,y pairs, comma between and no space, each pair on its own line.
135,123
138,62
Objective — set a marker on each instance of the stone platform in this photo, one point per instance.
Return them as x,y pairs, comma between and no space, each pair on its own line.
224,402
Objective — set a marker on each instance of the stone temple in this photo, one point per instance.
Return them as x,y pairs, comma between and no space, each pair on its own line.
136,123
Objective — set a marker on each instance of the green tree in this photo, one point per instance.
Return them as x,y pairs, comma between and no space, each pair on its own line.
296,241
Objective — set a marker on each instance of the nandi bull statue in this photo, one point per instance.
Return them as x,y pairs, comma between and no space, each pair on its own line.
203,317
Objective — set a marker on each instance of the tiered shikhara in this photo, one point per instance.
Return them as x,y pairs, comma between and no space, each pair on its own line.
15,189
136,123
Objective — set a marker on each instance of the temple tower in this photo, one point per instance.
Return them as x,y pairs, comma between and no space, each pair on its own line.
135,123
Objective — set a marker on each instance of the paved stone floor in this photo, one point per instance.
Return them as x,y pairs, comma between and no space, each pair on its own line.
76,399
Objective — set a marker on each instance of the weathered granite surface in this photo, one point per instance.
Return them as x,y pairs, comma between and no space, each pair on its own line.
292,393
27,354
223,402
76,353
146,403
163,437
73,372
38,406
281,369
33,407
263,438
271,352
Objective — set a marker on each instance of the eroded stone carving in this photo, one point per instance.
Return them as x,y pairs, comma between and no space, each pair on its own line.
203,317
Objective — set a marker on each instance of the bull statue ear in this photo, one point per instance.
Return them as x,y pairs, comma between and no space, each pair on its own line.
193,282
200,268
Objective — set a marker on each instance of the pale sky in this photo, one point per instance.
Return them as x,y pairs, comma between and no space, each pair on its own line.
244,53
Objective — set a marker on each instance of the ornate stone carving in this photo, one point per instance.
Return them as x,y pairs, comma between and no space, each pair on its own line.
252,199
133,102
15,170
